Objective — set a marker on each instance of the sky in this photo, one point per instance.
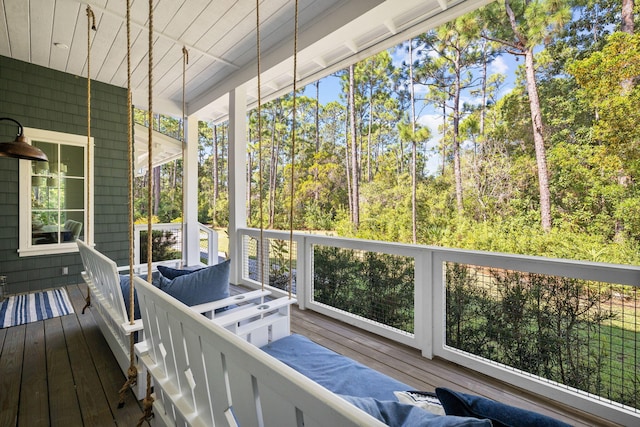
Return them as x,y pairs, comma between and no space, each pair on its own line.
505,64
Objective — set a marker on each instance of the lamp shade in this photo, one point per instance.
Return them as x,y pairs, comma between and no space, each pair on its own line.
20,148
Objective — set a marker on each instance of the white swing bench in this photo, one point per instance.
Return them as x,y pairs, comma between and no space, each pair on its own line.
206,375
250,320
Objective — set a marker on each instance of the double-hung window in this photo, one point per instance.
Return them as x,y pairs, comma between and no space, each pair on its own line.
54,196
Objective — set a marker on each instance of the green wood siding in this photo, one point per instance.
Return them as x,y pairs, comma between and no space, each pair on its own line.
47,99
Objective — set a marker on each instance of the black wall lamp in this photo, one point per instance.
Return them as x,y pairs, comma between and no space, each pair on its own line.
20,148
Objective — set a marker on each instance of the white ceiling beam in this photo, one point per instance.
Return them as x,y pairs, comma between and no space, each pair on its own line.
351,45
391,26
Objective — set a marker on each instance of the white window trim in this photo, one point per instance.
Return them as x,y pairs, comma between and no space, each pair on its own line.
26,248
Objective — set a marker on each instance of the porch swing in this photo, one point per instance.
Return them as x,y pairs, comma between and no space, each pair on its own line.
114,297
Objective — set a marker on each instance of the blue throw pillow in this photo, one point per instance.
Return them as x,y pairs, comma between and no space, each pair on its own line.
125,284
501,415
204,285
172,273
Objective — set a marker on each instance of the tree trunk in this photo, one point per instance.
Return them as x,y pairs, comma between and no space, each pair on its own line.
273,164
370,128
156,190
483,108
414,149
354,150
317,118
538,140
627,16
457,169
249,172
444,136
347,168
214,173
316,192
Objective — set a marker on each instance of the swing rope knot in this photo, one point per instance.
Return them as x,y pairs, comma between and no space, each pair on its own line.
132,380
147,406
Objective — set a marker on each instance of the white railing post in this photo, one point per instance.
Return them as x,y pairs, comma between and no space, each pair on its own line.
237,175
212,243
212,248
190,226
303,263
136,245
423,310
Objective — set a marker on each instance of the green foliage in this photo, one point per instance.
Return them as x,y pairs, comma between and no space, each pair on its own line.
609,84
279,264
553,327
372,285
163,244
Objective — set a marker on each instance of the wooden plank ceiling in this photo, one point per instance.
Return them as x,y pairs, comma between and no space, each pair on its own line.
220,36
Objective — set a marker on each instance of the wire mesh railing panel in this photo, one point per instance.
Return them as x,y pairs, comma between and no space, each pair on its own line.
578,333
372,285
273,266
203,246
166,244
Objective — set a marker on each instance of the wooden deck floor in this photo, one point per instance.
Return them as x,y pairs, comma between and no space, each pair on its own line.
61,372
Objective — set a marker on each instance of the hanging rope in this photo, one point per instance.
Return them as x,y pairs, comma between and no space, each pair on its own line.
260,184
147,403
132,372
185,61
91,25
293,147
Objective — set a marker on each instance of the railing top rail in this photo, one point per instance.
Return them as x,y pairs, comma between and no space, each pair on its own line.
576,269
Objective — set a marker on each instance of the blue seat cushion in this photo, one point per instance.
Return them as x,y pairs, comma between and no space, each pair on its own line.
334,371
200,286
501,415
396,414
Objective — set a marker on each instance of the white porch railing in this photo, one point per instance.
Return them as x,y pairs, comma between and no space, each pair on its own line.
172,236
426,295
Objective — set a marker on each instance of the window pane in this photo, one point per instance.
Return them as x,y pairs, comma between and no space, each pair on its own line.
72,160
73,227
51,150
72,191
44,227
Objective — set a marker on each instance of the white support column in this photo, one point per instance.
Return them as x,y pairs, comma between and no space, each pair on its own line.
237,176
190,230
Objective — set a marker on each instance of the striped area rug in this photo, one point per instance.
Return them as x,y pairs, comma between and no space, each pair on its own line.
20,309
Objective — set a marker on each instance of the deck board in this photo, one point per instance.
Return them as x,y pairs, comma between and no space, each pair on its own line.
10,372
91,398
60,372
67,359
111,380
34,410
63,402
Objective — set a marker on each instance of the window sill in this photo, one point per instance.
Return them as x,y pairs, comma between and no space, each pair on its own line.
53,249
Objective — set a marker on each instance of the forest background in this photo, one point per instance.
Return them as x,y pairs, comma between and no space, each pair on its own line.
547,168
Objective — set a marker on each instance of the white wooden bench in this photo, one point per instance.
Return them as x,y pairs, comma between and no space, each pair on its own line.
205,375
102,277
